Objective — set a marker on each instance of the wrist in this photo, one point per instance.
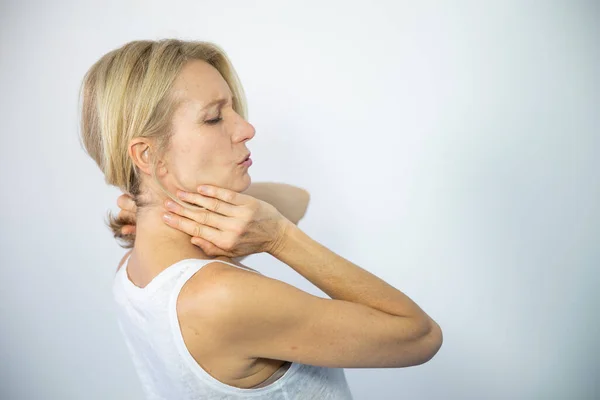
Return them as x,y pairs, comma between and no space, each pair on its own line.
284,230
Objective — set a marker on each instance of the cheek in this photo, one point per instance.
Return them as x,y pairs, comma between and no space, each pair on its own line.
187,169
200,157
195,158
191,150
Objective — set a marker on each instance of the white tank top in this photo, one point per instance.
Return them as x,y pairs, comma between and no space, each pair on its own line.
148,320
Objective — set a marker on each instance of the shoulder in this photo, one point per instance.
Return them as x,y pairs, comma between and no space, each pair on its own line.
215,283
219,292
216,294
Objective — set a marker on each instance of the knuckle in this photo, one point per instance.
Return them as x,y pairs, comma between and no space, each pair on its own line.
239,230
254,207
250,217
229,244
198,230
204,215
216,205
176,220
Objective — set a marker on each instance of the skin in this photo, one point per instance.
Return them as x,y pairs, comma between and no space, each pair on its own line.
201,152
291,201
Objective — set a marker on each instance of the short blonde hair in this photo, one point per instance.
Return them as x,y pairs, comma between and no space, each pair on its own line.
127,94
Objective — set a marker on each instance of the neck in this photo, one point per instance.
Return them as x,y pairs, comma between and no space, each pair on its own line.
155,239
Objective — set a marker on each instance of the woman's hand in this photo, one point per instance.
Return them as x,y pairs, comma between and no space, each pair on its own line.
232,224
128,210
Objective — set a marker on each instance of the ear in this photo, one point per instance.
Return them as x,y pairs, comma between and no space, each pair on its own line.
140,151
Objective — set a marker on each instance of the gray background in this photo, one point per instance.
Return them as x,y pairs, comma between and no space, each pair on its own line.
450,148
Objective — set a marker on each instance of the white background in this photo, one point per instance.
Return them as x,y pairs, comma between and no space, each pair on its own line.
450,148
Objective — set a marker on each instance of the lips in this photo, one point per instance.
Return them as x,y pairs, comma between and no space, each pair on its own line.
247,157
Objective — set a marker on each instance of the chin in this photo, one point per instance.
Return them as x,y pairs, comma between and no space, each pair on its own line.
246,183
238,184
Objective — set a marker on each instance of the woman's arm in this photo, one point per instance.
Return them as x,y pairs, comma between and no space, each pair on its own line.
291,201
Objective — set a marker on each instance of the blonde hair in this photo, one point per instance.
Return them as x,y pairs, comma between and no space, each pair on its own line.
127,94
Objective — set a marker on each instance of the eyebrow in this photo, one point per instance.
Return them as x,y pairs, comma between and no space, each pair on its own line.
220,101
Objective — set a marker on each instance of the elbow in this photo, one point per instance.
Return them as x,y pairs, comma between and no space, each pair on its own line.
437,341
298,205
432,342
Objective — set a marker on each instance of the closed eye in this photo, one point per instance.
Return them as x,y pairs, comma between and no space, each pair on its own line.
214,121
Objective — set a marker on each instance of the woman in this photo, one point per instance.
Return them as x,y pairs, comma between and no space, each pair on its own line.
160,117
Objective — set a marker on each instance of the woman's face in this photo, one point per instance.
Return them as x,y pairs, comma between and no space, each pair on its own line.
209,140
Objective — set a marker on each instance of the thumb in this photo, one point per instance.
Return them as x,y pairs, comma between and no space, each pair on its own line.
209,248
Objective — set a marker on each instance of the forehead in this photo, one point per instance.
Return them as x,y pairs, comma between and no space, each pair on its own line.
198,83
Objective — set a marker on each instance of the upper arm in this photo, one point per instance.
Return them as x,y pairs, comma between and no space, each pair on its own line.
291,201
261,317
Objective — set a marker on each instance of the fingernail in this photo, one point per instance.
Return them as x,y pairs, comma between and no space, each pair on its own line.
181,194
167,217
170,204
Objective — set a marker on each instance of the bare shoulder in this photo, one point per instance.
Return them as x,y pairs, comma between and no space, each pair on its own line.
204,290
204,299
219,294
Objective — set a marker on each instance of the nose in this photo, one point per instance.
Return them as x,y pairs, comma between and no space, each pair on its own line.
245,130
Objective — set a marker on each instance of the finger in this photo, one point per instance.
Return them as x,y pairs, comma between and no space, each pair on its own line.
210,248
204,217
129,216
226,195
128,230
209,203
193,228
125,202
